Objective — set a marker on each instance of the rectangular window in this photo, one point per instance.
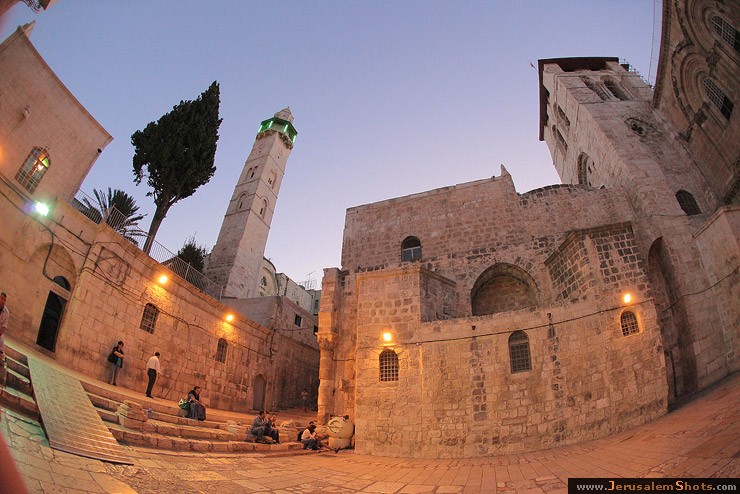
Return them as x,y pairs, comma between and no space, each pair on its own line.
298,320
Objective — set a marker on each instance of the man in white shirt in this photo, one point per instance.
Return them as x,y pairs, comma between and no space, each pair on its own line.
152,369
4,317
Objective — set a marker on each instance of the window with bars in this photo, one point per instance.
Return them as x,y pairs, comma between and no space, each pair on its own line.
149,318
221,350
718,97
33,169
519,352
388,365
687,203
411,249
724,30
629,323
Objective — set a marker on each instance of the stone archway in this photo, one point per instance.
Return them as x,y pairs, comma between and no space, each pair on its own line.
501,288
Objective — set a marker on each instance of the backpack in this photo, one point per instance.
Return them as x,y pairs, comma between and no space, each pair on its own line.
184,403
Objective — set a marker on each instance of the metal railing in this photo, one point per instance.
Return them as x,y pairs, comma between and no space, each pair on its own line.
131,232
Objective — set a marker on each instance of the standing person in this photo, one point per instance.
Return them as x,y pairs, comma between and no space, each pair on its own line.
116,362
152,370
197,409
4,318
304,398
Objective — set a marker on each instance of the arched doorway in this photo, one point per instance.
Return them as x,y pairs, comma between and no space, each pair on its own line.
49,327
258,400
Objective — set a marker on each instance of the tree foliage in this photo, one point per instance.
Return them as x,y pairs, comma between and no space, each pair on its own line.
176,153
119,210
193,254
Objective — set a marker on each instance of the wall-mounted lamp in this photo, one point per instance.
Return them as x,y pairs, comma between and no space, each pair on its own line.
229,317
387,337
41,208
627,298
162,279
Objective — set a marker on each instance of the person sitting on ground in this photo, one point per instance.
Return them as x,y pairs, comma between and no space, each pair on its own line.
271,428
197,409
309,438
259,427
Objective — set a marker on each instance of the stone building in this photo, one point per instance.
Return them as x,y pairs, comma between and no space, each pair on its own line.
473,320
75,287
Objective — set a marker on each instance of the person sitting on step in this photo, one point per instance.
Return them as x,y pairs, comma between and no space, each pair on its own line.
259,427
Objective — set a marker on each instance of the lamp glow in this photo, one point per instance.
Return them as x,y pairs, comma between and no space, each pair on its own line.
41,208
163,279
627,298
387,337
229,317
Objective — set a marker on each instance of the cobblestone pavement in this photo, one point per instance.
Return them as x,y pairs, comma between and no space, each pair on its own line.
701,439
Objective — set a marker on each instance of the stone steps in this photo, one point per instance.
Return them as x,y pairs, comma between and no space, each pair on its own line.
16,390
171,443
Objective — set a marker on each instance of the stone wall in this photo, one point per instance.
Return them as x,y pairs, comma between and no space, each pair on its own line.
456,394
37,110
110,282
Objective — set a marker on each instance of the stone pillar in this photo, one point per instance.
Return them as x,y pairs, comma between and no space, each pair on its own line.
326,380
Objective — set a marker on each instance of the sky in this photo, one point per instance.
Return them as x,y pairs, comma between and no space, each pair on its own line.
389,98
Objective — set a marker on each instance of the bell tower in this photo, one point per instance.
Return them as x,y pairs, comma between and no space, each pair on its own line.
236,258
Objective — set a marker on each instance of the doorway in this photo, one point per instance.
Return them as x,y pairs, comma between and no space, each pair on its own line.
53,310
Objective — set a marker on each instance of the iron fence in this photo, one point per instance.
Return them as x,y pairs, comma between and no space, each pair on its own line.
138,237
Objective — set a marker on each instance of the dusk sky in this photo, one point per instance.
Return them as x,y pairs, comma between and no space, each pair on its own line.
389,98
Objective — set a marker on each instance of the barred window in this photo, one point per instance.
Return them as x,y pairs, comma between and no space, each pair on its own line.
718,97
388,365
687,203
725,31
411,249
149,318
629,323
519,352
221,350
33,169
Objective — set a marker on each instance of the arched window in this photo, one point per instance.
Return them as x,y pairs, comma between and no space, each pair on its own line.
519,352
725,31
629,324
388,365
718,97
615,89
263,209
252,172
585,169
272,179
33,169
240,202
221,350
687,203
263,281
411,249
149,318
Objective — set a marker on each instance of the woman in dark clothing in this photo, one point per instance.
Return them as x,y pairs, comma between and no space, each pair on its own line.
116,362
197,409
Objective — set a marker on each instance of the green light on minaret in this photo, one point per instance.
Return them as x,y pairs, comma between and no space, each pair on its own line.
279,125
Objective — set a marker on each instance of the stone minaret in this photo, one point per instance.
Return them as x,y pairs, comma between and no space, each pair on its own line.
236,258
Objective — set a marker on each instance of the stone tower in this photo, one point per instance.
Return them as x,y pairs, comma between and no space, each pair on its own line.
603,131
237,256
